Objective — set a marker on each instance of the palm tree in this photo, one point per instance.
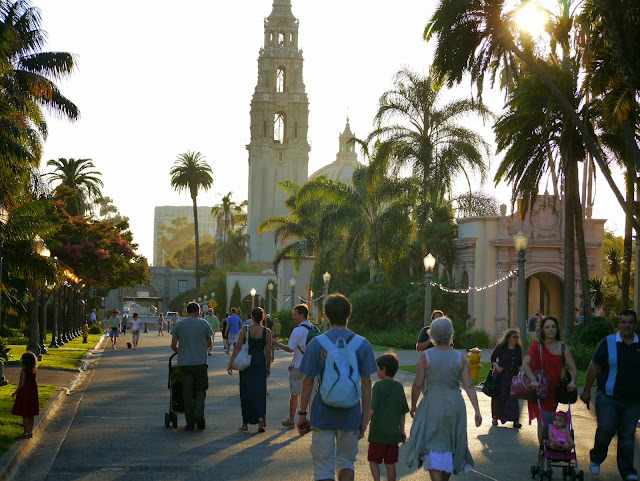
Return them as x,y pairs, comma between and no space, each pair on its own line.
190,172
230,210
477,37
27,85
75,174
416,130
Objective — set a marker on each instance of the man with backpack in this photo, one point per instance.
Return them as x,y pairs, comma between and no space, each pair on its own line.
340,413
300,337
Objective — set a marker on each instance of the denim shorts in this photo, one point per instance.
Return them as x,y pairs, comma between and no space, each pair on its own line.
331,450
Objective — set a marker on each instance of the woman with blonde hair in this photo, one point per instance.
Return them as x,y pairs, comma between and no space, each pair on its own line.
506,360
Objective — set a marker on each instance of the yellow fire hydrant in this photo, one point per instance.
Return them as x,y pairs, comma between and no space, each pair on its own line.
474,362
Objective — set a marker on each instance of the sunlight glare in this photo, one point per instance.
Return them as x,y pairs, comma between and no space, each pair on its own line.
532,18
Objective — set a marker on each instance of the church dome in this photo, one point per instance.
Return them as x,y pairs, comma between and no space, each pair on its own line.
346,163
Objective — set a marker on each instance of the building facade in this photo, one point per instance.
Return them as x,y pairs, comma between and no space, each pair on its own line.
279,149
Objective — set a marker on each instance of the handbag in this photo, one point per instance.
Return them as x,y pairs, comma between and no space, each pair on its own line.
490,387
243,359
563,395
521,384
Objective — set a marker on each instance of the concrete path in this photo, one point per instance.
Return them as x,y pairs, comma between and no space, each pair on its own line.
112,429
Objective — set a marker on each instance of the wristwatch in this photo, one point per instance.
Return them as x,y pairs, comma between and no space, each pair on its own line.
301,413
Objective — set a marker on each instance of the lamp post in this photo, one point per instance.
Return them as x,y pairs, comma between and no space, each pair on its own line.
326,277
270,287
429,263
292,283
521,242
253,298
310,303
4,218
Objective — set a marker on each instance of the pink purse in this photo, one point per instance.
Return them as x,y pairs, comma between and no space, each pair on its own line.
521,384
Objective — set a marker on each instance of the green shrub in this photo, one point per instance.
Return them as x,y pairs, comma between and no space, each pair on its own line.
400,336
591,334
582,354
482,338
285,316
95,329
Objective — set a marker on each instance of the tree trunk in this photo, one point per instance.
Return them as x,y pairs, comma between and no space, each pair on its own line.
630,179
195,229
582,249
34,332
569,260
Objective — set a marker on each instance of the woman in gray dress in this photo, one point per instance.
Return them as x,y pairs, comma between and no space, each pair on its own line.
440,442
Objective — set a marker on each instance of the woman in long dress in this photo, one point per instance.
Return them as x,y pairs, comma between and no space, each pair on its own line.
506,359
547,351
439,441
253,379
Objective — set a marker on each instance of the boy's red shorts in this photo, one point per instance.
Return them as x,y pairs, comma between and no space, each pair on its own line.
383,453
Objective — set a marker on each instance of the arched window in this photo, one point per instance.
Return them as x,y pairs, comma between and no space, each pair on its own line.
280,80
279,125
281,39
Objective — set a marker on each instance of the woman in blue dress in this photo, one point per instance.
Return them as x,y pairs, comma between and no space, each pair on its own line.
253,379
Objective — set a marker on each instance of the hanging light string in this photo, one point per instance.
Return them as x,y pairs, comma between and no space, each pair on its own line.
477,289
304,301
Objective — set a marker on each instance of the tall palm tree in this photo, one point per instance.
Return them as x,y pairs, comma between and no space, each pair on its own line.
191,173
479,37
27,82
417,130
230,210
75,174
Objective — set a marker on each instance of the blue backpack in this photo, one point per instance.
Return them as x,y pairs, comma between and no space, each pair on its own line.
340,382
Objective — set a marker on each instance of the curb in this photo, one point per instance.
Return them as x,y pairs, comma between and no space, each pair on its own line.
11,459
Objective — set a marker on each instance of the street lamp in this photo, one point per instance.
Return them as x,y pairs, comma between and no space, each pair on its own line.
521,242
429,264
253,298
292,283
326,277
4,218
270,287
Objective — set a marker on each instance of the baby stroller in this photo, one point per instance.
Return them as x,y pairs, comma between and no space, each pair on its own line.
176,401
556,458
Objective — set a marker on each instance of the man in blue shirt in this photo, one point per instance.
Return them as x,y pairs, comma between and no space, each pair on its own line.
336,431
616,363
234,324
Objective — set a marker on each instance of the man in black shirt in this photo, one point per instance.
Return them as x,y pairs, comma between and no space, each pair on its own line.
616,363
424,342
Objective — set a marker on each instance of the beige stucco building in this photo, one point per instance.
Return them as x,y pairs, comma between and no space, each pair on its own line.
485,254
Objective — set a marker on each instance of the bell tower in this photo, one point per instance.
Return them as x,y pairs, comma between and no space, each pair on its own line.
279,122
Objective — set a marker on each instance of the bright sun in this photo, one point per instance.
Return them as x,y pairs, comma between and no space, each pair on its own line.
532,18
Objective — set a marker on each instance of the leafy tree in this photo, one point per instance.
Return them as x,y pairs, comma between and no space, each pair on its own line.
476,204
108,211
236,296
191,173
75,174
185,258
230,212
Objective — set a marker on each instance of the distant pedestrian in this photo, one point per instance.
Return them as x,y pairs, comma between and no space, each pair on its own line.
214,322
438,437
533,325
191,340
223,329
616,364
506,359
94,318
253,379
85,333
125,323
424,342
26,394
161,324
234,324
336,430
468,330
135,330
387,416
174,320
114,327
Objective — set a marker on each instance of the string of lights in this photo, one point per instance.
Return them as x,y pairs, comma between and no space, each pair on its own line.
309,300
476,289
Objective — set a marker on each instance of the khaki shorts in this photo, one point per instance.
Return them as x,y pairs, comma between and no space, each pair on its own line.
295,381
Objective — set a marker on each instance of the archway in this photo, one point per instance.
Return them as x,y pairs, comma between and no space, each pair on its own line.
545,292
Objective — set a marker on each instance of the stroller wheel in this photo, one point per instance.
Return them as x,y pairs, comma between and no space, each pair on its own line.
580,476
534,470
174,419
167,421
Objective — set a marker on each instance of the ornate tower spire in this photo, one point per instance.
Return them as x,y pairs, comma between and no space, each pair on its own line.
346,149
279,122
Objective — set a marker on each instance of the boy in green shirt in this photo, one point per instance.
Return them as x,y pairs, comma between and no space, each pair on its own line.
387,413
214,322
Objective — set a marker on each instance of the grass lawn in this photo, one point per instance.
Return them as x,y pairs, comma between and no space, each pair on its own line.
65,357
10,425
377,347
484,371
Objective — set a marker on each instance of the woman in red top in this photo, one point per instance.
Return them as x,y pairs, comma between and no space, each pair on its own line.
549,340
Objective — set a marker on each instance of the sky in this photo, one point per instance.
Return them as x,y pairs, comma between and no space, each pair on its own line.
155,79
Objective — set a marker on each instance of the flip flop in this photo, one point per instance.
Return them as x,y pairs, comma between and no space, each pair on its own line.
261,430
242,429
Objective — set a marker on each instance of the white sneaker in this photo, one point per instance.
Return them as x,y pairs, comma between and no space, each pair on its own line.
135,347
595,469
114,347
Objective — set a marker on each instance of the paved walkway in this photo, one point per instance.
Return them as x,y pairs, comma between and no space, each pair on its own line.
113,429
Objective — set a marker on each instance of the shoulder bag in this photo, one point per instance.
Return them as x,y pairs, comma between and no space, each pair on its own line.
521,384
243,359
563,395
491,387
